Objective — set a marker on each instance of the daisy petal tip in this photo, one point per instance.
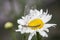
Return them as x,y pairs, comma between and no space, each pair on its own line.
46,36
23,17
47,30
30,36
46,11
17,21
31,11
16,30
54,25
22,32
41,10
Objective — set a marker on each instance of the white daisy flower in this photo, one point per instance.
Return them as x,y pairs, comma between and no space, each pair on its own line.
35,21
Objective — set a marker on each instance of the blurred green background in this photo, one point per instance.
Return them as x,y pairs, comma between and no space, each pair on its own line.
12,10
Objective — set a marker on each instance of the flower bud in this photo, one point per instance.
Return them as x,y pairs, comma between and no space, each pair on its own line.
8,25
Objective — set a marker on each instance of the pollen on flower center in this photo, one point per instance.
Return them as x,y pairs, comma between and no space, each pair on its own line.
36,24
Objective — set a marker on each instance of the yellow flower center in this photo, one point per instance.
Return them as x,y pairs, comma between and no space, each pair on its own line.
35,24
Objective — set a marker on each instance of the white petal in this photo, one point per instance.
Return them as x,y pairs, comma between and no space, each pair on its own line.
41,11
29,30
23,17
36,11
19,26
21,21
21,29
42,33
27,18
30,36
17,30
31,11
47,30
22,32
46,18
49,25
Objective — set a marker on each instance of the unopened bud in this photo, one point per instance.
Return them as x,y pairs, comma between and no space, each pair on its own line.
8,25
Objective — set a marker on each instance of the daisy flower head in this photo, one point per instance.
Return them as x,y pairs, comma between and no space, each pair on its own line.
35,21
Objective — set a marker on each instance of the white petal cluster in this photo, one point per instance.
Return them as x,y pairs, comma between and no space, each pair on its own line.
44,16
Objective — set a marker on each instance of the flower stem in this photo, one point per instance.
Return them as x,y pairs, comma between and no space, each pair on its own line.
38,36
24,36
13,34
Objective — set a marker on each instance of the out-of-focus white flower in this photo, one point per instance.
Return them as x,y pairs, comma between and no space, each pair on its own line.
35,21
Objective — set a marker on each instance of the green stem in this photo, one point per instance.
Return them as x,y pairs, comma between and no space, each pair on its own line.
13,34
24,37
38,36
